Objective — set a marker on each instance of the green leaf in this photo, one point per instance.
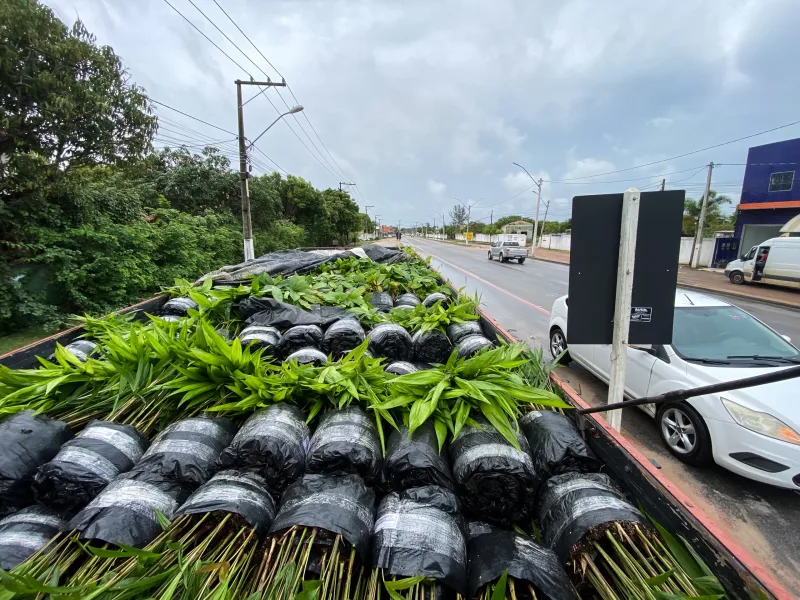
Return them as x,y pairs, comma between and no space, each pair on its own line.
441,432
659,579
679,553
499,591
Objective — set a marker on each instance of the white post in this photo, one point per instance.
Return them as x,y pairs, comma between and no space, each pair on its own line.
698,242
622,306
536,221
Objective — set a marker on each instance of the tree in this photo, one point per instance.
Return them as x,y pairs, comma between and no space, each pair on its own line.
715,219
458,216
343,213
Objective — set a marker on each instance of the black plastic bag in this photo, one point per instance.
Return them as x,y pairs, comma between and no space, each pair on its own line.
272,442
299,337
125,511
406,300
496,481
431,347
416,461
346,441
401,367
282,262
471,345
260,336
305,356
27,441
495,551
81,349
268,311
573,506
341,504
384,255
87,464
458,331
556,444
342,337
391,341
238,492
382,301
435,297
421,532
26,532
178,307
186,452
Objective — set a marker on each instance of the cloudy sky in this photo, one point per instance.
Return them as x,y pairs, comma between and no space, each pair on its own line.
421,102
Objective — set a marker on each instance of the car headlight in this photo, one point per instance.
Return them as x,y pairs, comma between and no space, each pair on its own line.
761,422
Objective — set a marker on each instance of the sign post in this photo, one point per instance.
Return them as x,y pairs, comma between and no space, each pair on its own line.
622,306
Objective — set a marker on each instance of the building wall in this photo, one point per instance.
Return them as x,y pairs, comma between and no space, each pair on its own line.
762,162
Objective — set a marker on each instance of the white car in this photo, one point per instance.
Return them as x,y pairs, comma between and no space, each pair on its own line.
752,431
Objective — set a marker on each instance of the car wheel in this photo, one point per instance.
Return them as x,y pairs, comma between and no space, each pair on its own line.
685,433
558,343
490,255
736,277
521,260
502,259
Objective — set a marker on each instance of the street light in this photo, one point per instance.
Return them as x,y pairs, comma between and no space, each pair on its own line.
469,214
538,201
291,111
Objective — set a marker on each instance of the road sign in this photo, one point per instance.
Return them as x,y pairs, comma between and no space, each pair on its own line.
470,235
594,256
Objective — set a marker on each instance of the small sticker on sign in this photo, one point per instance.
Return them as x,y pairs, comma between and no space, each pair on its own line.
641,314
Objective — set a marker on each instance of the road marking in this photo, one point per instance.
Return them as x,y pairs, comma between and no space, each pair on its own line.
490,284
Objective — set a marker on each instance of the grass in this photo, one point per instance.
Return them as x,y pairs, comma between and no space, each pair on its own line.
22,338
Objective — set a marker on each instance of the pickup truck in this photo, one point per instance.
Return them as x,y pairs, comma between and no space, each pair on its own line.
508,251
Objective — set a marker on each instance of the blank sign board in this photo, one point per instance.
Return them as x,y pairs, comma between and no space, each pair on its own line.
593,267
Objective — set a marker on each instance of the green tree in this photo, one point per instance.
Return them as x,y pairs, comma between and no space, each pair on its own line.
343,214
715,219
458,217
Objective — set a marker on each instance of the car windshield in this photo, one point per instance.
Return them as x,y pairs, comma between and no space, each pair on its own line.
511,244
726,333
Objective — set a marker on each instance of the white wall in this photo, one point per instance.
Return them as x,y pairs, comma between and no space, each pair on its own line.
706,251
485,238
556,241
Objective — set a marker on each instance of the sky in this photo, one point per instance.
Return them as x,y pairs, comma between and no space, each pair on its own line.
421,103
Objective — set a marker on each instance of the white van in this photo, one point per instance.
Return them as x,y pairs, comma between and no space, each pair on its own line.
775,261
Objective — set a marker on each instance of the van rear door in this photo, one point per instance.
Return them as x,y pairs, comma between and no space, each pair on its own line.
783,264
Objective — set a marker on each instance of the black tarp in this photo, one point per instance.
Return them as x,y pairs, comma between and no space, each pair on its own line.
458,331
272,442
496,482
282,262
391,341
26,532
346,441
299,337
406,300
556,444
27,441
125,511
342,337
87,463
420,532
415,460
81,349
186,452
305,356
471,345
401,367
268,311
260,336
178,307
572,505
341,504
238,492
494,551
431,347
384,255
382,301
435,297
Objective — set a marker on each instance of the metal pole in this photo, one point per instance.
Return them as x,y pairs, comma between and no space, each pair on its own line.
622,307
469,213
536,221
698,242
247,225
544,223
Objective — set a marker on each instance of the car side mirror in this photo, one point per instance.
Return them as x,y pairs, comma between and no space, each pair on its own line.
649,348
787,338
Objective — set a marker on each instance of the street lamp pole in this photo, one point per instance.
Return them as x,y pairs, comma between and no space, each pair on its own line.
469,214
538,203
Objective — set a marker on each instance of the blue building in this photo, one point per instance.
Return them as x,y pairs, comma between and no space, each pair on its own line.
770,192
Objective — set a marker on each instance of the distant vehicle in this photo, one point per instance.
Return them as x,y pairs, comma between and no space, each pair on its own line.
752,431
508,251
775,261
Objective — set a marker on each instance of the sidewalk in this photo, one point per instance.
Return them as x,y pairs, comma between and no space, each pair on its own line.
707,281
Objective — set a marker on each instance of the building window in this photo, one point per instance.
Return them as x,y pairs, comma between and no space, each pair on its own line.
781,182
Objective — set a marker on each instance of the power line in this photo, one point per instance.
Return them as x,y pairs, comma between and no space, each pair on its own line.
190,116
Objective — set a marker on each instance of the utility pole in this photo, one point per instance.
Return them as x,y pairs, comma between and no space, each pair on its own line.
544,223
663,183
366,213
247,224
698,242
491,217
538,202
341,183
469,215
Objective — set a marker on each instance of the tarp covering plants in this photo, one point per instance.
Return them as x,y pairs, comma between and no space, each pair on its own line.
401,367
299,337
391,341
406,300
186,452
346,441
420,532
382,301
268,311
384,255
435,297
471,345
308,356
260,336
458,331
126,511
431,347
81,349
572,506
273,443
341,504
178,306
27,441
26,532
237,492
556,444
415,460
492,551
87,463
283,262
342,337
496,482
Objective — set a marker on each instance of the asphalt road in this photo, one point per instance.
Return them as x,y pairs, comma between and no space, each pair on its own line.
762,519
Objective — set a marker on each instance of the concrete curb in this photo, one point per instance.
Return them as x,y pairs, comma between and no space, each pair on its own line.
547,260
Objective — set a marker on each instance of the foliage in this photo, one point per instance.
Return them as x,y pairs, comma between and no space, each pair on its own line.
458,216
438,317
716,220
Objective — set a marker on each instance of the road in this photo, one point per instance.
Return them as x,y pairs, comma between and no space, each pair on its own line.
762,519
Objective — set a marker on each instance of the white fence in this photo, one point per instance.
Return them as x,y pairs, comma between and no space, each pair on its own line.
556,241
485,238
367,236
